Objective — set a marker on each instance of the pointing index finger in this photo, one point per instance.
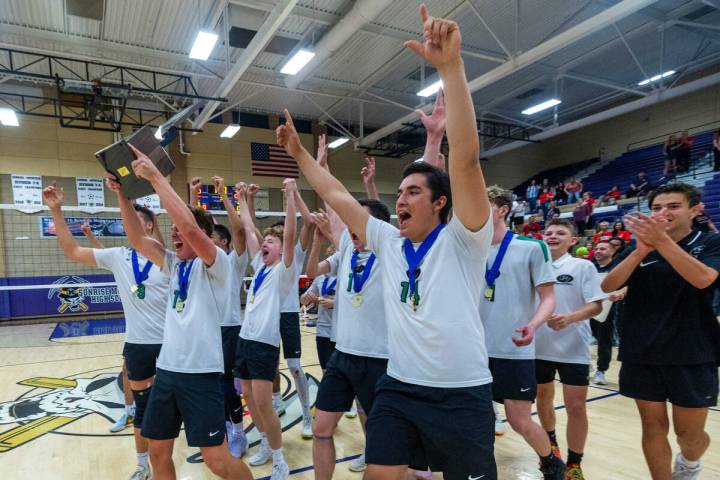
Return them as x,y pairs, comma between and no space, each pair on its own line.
288,118
424,13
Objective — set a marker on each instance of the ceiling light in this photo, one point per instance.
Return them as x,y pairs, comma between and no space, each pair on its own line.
340,141
159,133
541,106
430,89
230,131
657,77
8,117
203,46
297,62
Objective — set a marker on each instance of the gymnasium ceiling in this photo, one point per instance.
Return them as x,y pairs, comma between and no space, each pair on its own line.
370,76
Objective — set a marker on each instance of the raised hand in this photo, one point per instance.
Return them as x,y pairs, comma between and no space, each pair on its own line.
54,197
144,167
647,230
435,123
86,229
442,40
111,182
219,183
322,153
322,224
368,171
195,182
252,189
288,138
289,186
241,189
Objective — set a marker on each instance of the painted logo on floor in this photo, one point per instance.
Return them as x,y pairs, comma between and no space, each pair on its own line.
66,400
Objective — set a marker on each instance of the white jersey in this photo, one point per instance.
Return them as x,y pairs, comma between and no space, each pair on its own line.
324,316
192,341
442,342
525,266
291,300
577,283
361,322
262,310
232,309
144,318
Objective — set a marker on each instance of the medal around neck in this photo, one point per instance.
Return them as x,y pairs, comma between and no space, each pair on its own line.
357,300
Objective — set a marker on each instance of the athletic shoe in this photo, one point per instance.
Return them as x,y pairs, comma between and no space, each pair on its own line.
599,378
499,427
307,427
424,474
358,465
237,441
141,473
279,407
573,472
122,423
280,471
262,455
352,413
683,472
555,470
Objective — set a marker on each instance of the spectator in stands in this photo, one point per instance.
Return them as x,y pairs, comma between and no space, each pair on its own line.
532,228
620,232
603,232
617,243
683,151
581,216
632,191
573,188
552,211
642,182
670,151
612,196
531,194
561,195
544,199
716,150
702,222
546,184
517,213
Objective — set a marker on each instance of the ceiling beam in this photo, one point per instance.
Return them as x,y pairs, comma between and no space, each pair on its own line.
265,33
603,83
535,54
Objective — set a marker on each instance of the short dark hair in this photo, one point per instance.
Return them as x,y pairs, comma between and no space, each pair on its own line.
279,223
438,182
203,219
561,222
223,232
692,194
377,209
147,214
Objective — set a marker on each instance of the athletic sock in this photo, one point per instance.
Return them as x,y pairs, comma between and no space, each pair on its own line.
142,459
574,457
238,428
130,409
277,456
277,397
688,463
552,437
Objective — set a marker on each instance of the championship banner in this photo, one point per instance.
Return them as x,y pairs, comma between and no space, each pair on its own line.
101,227
150,201
90,192
27,190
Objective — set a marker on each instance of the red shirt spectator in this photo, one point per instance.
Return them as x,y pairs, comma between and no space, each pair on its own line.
603,232
545,196
620,232
532,228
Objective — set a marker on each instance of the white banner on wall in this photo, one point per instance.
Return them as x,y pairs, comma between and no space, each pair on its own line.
90,192
151,201
27,190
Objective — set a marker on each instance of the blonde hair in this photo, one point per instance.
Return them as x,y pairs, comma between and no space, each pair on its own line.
274,231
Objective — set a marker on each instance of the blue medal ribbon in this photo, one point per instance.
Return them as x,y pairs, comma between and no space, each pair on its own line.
327,288
184,278
414,258
359,280
494,272
260,278
140,276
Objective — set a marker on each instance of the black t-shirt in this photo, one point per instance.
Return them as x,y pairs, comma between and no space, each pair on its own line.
664,319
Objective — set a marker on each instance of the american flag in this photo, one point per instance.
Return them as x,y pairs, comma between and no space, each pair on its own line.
272,161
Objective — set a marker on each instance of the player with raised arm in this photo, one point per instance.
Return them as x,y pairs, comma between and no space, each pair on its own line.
434,124
431,269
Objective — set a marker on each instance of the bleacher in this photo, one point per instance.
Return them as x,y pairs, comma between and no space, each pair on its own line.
555,175
711,198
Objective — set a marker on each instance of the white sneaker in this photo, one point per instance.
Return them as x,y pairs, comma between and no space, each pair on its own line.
352,413
280,471
279,406
683,472
262,455
599,378
307,427
122,423
358,465
141,473
499,427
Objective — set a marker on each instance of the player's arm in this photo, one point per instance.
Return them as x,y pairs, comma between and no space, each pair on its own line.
179,212
252,243
236,225
290,189
330,189
442,49
252,189
54,198
545,309
308,225
435,127
368,176
87,231
587,311
314,266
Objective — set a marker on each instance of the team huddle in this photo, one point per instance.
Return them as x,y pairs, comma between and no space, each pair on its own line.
425,326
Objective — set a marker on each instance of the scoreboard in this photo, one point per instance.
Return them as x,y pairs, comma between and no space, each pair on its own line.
209,199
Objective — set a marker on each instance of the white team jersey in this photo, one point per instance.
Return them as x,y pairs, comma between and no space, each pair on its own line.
577,282
324,316
262,313
192,341
232,309
291,300
361,327
442,343
144,319
525,266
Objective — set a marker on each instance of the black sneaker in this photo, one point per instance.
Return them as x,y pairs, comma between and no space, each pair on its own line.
554,469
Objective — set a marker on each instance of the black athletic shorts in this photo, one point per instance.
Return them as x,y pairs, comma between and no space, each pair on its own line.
346,377
325,348
140,360
256,360
451,430
689,386
513,379
570,373
195,399
290,334
230,338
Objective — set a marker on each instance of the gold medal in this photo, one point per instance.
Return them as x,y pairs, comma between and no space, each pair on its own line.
251,298
133,289
414,302
357,300
179,306
490,293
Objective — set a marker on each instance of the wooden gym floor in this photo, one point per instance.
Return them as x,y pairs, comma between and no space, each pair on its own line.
58,398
